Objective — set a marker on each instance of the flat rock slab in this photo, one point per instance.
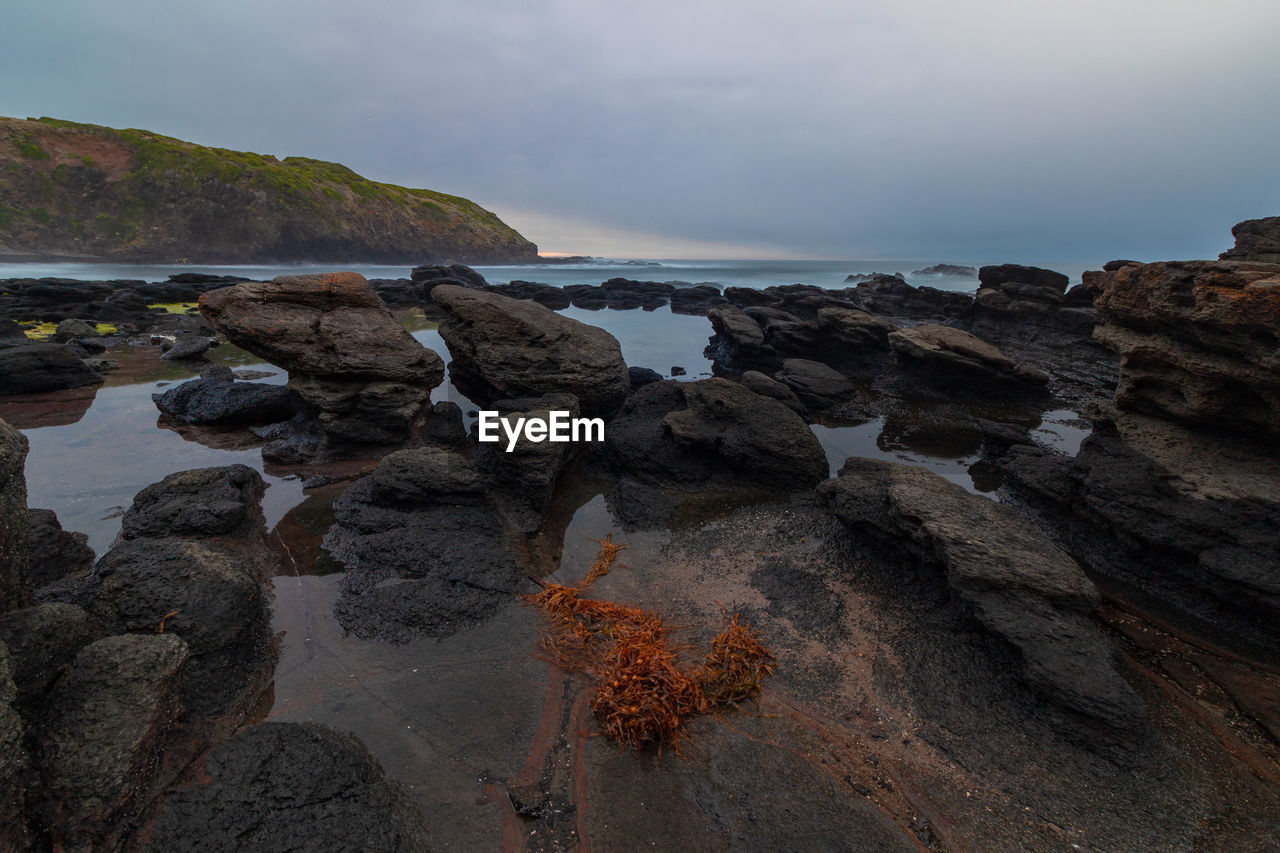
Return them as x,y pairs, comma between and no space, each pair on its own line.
948,352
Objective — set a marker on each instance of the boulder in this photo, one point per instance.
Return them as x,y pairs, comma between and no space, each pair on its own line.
33,367
191,346
191,560
738,339
286,786
427,551
69,330
216,398
364,378
505,348
524,477
1197,341
948,271
544,294
42,640
817,386
1256,240
945,355
886,295
765,386
459,274
712,434
642,376
1018,584
15,584
54,553
11,331
198,504
108,719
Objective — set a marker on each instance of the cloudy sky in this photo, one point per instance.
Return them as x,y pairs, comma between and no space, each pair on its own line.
1028,130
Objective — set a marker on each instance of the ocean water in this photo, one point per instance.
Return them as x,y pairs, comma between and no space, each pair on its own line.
735,273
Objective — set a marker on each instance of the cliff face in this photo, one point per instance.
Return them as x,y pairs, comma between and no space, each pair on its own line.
133,195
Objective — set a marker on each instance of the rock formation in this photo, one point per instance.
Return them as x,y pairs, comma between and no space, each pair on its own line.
361,377
15,584
507,348
1256,240
1021,587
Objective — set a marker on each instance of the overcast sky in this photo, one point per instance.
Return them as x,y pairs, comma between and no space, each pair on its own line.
992,129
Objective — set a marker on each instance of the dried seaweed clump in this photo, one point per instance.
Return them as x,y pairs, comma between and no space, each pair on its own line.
642,695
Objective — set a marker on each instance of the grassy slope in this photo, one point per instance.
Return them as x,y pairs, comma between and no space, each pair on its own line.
68,188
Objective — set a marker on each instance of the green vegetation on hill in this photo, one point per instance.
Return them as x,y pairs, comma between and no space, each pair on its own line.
133,195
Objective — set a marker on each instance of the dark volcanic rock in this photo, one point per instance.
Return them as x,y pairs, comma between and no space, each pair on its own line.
817,386
286,786
890,296
872,276
217,398
766,386
198,504
191,346
365,378
427,550
712,434
995,276
14,762
69,330
1021,587
949,270
15,585
943,355
54,553
32,367
1256,240
1183,515
460,274
505,348
524,477
544,294
42,641
739,339
106,725
1197,341
642,376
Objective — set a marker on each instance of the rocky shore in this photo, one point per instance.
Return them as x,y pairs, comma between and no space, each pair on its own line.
1085,658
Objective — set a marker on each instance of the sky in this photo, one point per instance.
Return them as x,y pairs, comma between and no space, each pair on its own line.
1030,131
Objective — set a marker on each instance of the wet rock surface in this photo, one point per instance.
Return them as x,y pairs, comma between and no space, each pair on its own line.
505,348
946,355
54,553
286,786
14,761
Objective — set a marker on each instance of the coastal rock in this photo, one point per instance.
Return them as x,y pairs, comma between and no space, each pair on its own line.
15,584
948,270
1021,587
766,386
712,434
889,296
1197,341
190,560
642,376
426,548
69,330
14,762
524,477
872,276
107,722
460,274
217,398
695,299
817,386
544,294
365,378
11,331
42,641
54,553
1189,517
1256,240
191,346
32,367
286,786
505,348
943,355
198,504
739,339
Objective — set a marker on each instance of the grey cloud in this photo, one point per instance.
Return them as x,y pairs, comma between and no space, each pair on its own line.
934,129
